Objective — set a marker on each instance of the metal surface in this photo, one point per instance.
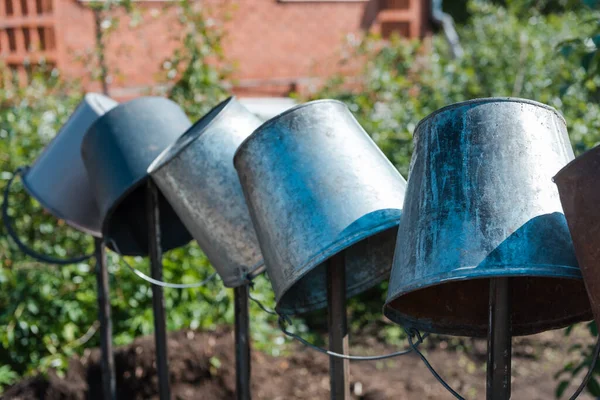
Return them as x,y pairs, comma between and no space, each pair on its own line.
339,369
117,150
579,188
158,300
242,343
499,340
316,184
58,179
109,385
197,177
480,204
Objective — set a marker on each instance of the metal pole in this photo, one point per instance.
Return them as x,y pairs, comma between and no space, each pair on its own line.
109,386
338,327
242,343
158,300
499,340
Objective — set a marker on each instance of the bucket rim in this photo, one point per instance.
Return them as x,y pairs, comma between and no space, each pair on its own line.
325,254
570,273
278,117
190,135
485,100
561,175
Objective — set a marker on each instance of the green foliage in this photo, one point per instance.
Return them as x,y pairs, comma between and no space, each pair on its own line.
197,70
7,376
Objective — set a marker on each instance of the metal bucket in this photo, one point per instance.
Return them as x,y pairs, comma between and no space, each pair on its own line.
316,185
480,204
58,179
196,175
117,150
579,187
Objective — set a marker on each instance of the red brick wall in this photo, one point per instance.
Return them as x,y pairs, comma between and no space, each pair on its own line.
273,44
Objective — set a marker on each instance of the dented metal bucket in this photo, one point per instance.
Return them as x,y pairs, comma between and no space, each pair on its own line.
197,177
117,150
579,187
316,185
481,204
58,179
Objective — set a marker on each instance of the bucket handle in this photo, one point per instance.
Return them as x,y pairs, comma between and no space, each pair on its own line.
156,281
22,246
284,320
413,346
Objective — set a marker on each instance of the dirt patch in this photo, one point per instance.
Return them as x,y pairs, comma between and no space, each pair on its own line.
202,366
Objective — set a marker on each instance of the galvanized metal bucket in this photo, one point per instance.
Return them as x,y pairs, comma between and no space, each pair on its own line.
197,176
579,187
58,179
117,150
316,185
480,204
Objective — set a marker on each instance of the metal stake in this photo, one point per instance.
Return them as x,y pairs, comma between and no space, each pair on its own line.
158,300
242,343
109,386
499,340
338,327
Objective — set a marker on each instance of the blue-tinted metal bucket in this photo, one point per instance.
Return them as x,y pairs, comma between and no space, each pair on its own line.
480,204
316,185
58,179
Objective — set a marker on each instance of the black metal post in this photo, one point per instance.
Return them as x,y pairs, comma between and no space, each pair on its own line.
338,327
242,343
109,386
158,300
499,340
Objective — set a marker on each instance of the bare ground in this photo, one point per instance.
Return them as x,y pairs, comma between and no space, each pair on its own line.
202,367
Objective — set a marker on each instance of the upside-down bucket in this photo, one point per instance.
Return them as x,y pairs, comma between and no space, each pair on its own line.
197,177
316,185
117,150
58,179
481,204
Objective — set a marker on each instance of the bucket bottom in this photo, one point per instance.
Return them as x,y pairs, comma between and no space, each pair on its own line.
460,307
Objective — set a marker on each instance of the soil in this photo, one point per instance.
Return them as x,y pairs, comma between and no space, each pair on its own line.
202,366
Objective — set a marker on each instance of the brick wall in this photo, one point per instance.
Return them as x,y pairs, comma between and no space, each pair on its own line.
277,46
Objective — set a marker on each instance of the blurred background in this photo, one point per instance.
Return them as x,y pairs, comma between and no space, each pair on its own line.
392,61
